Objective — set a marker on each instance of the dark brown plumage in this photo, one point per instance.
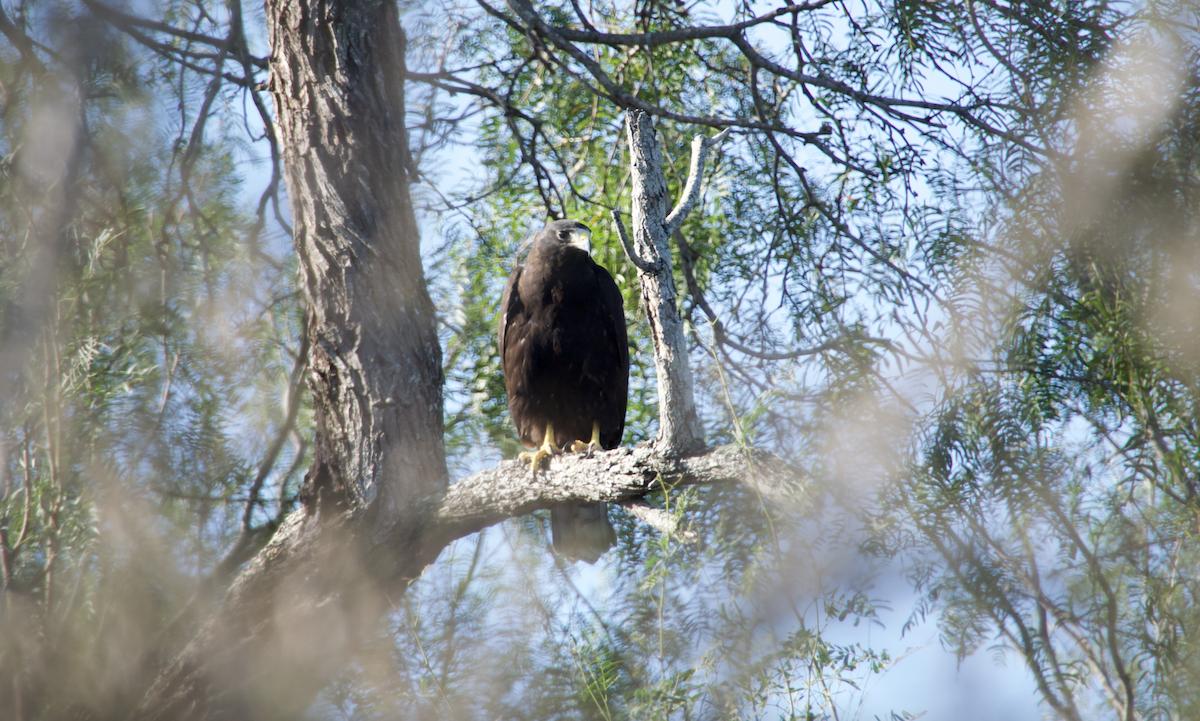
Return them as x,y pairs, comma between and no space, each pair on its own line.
565,355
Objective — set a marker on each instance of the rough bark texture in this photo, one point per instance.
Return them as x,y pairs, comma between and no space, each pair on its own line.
324,579
680,432
621,474
337,78
305,601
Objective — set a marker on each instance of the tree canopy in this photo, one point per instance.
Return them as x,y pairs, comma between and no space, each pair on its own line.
939,301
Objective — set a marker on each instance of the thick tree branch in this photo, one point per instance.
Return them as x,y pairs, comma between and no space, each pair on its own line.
623,475
615,476
322,582
376,509
659,519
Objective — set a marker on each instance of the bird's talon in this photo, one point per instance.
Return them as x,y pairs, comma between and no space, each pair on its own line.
591,446
547,449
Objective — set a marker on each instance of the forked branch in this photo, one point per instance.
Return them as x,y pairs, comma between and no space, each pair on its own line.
680,432
691,190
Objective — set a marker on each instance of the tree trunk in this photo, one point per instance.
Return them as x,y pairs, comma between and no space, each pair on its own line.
337,78
337,69
680,432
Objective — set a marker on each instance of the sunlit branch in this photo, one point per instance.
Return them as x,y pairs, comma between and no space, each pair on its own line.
691,189
615,476
679,429
630,252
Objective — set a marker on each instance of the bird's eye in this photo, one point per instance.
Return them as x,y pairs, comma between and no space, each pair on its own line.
563,235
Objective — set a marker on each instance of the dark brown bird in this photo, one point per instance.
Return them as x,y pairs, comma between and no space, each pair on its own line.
565,355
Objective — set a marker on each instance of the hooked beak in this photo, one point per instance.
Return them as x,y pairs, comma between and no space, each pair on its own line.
582,238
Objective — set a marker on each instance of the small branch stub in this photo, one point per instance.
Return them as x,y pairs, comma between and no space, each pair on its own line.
659,519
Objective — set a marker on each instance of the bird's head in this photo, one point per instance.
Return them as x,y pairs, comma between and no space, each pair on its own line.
569,232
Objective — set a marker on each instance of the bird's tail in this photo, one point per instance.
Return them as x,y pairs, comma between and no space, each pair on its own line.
582,531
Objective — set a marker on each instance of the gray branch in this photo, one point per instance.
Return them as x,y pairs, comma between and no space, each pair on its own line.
630,253
691,190
679,431
659,519
618,476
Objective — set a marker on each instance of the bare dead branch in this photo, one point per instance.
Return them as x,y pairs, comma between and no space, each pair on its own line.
691,189
680,431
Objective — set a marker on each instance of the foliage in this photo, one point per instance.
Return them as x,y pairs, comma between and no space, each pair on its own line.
1055,476
945,264
145,345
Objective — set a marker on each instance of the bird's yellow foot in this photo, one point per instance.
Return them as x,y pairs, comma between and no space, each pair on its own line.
594,445
546,450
